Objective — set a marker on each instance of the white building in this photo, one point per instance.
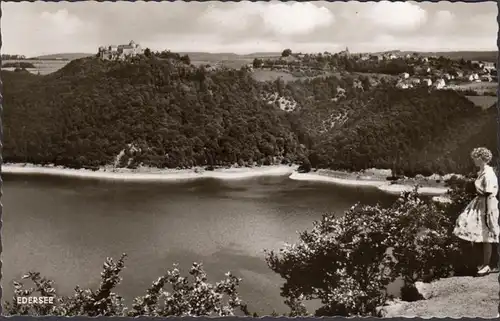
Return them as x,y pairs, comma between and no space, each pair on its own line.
439,84
403,85
427,82
486,78
120,52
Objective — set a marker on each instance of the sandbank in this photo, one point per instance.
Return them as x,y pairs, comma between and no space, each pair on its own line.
151,174
374,180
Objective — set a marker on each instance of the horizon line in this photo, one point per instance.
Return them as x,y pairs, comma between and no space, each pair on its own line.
273,52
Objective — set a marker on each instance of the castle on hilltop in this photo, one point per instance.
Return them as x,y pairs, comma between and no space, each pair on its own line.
120,52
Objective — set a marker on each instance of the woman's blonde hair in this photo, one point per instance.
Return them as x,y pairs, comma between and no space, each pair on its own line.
482,153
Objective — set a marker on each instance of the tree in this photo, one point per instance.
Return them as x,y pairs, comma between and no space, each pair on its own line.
147,52
185,59
257,63
286,53
194,297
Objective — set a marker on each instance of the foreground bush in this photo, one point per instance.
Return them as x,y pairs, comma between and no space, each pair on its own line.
194,297
347,262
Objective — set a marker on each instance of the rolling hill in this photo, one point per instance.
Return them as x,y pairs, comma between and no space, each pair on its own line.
63,56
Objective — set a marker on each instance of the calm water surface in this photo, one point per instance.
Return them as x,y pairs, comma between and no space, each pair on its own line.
66,227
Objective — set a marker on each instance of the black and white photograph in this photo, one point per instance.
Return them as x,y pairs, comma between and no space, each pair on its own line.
250,159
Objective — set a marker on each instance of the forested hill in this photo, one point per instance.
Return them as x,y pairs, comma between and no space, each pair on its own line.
171,114
165,113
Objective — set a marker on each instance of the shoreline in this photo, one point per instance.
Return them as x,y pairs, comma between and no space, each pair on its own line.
371,178
150,174
375,180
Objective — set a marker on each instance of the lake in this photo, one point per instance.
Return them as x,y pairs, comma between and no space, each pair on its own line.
66,227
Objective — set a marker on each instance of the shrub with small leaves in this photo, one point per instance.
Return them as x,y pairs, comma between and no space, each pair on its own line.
196,298
420,239
43,286
344,262
101,302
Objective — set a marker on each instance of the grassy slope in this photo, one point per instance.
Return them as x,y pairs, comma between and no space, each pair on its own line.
64,56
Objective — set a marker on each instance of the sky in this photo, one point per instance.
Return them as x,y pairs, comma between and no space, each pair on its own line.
37,28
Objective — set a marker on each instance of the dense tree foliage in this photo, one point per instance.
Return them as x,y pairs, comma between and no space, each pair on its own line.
286,53
415,131
20,64
161,111
175,115
171,295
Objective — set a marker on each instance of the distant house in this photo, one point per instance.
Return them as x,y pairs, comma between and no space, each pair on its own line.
489,66
447,76
403,85
479,63
425,59
472,77
459,73
120,52
439,84
415,81
486,78
405,75
427,82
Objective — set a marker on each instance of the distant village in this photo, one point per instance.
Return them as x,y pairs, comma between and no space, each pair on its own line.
433,71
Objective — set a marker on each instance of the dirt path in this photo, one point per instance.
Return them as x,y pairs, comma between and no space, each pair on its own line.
452,297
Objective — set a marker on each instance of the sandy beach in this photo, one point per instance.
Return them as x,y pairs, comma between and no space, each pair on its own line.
373,178
151,174
370,178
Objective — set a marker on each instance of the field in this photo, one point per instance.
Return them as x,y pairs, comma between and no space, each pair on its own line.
43,67
484,102
478,86
231,63
270,75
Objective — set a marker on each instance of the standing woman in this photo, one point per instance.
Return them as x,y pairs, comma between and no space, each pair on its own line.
478,223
